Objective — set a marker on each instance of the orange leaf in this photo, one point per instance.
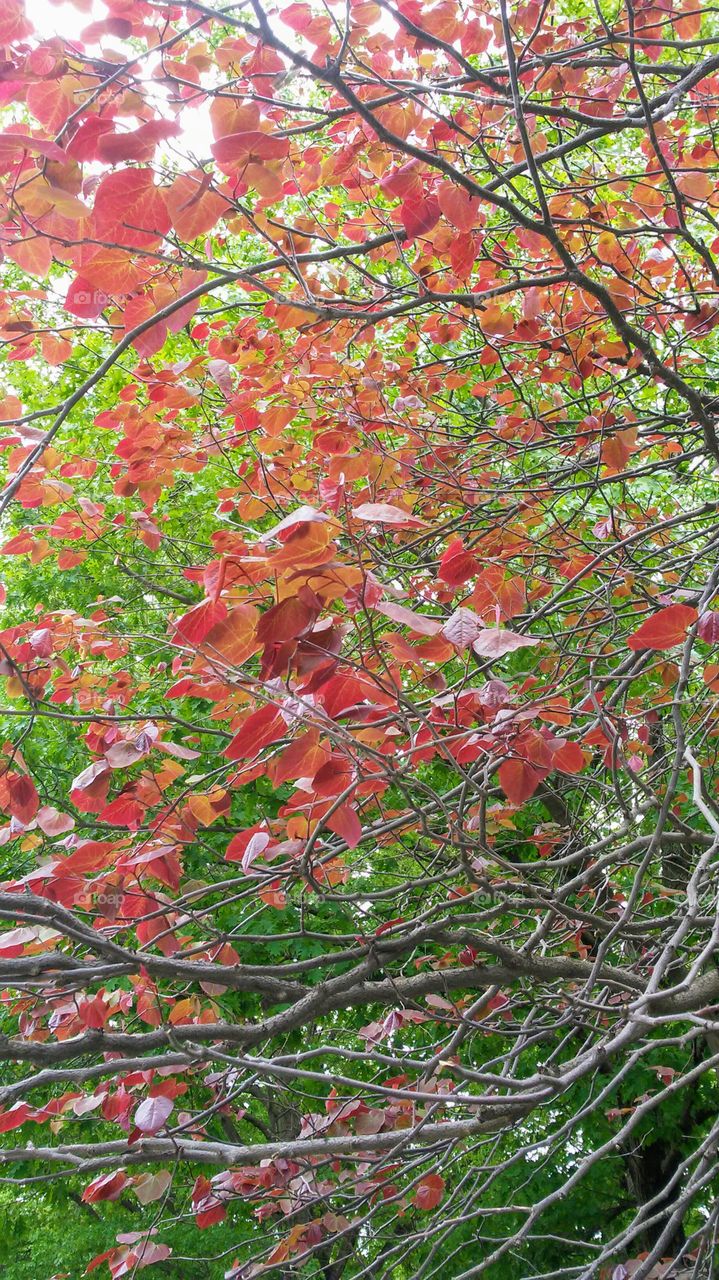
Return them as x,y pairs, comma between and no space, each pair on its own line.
458,207
617,451
233,638
192,208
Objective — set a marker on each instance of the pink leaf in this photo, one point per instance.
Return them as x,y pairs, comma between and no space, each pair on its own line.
152,1113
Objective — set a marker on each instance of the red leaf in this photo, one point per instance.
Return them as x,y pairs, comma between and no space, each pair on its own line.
345,823
89,856
273,895
303,515
419,215
207,1217
100,1258
134,145
247,846
458,206
403,182
234,639
457,564
193,627
92,797
207,1207
107,26
258,731
462,255
130,209
193,208
618,449
285,621
14,1117
332,776
569,758
24,800
84,144
429,1191
124,811
519,780
108,1187
15,141
388,924
664,629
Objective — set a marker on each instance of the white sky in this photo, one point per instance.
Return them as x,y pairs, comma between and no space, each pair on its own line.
61,19
67,20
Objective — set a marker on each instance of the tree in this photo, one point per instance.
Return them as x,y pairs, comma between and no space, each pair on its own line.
359,706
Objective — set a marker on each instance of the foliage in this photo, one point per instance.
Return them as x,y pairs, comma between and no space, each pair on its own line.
358,654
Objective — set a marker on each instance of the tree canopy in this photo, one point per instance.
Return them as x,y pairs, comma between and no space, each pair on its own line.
358,648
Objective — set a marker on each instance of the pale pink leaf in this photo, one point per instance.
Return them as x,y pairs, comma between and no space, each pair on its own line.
152,1186
418,622
152,1113
385,513
52,822
462,628
494,642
